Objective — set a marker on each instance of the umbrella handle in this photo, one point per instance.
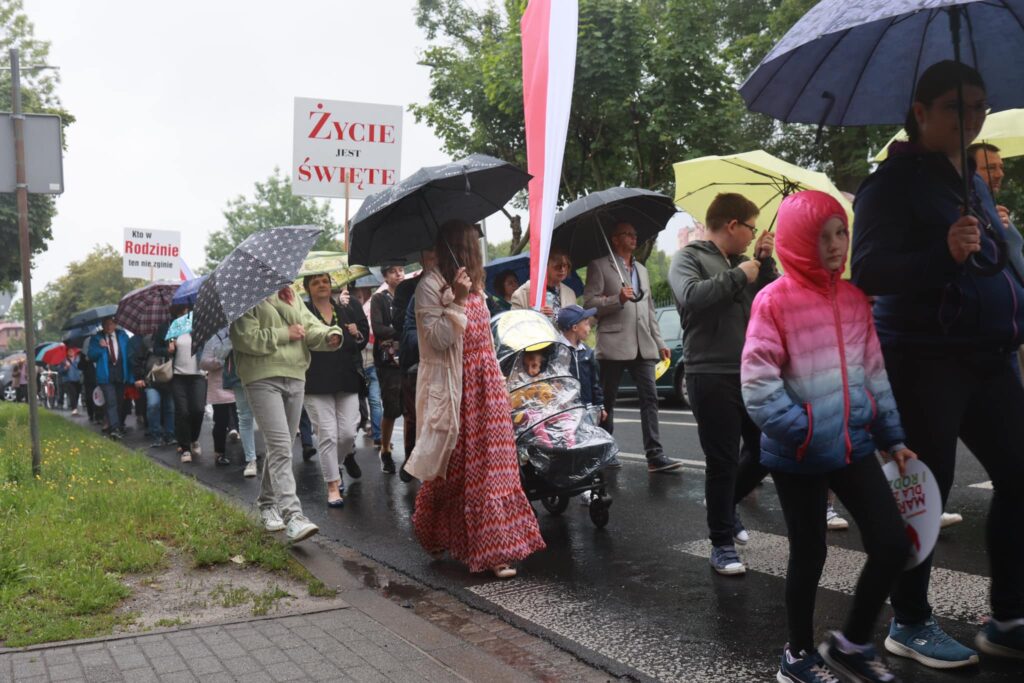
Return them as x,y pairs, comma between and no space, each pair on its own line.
982,265
615,262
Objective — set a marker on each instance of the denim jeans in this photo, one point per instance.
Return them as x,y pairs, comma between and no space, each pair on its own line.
160,413
246,423
376,405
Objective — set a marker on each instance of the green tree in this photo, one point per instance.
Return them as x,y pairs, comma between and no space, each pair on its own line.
272,205
96,280
39,95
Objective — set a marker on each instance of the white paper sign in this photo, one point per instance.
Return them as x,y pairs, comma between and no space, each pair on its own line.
151,254
338,143
917,496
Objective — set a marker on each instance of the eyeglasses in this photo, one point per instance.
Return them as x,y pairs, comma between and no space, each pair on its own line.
750,227
631,235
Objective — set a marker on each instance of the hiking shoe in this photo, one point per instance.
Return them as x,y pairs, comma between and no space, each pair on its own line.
196,450
662,463
221,460
186,456
994,641
833,521
271,519
308,452
863,666
950,518
739,532
725,560
299,529
233,436
805,667
351,466
402,474
250,469
928,644
387,464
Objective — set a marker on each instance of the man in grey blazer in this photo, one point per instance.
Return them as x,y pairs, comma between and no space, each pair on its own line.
628,337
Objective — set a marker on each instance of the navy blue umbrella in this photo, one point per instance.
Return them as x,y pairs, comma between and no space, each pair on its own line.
520,266
188,291
857,63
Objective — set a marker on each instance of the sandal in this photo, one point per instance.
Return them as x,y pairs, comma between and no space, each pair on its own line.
504,571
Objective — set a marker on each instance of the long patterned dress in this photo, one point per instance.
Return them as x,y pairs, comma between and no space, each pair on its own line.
479,513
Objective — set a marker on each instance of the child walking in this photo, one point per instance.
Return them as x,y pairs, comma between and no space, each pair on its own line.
814,381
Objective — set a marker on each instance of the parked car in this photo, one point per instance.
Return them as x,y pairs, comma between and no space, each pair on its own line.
671,384
8,392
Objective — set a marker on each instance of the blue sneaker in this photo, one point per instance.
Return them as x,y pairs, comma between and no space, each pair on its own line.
864,666
805,668
928,644
725,560
992,641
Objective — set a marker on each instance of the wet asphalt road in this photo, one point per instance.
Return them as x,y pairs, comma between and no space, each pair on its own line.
638,597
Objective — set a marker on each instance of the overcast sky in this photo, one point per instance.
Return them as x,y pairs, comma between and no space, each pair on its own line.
182,106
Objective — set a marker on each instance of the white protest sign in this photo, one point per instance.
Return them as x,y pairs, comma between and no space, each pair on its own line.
917,497
345,142
151,254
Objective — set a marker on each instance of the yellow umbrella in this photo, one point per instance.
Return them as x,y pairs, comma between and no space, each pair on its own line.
335,264
1003,129
760,177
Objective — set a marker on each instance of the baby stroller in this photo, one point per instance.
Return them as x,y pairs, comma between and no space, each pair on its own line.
560,447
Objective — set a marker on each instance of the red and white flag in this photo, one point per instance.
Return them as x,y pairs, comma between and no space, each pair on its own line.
549,30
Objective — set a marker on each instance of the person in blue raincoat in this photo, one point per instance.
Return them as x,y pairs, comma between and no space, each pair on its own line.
108,350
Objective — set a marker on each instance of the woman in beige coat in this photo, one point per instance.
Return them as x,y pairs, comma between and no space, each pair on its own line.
471,503
558,294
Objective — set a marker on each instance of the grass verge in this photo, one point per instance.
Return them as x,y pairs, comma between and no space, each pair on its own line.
98,512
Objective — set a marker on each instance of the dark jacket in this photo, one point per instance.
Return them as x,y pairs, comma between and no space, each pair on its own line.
331,372
924,299
408,340
383,325
584,368
713,298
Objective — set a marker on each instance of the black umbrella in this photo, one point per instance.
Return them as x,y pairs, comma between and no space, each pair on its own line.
401,221
76,336
90,316
582,227
261,265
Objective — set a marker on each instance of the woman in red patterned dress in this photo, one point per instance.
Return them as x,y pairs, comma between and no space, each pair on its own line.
471,503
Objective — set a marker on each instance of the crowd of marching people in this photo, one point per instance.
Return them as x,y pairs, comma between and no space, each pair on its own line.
803,376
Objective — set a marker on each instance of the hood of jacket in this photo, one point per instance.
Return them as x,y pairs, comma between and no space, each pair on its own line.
800,221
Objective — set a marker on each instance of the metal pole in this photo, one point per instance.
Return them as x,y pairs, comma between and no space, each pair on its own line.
21,194
346,211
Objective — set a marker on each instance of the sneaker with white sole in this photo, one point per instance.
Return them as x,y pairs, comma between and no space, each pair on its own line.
725,560
833,521
233,436
804,667
928,644
196,450
299,529
1005,641
950,518
186,457
739,532
862,665
271,519
250,469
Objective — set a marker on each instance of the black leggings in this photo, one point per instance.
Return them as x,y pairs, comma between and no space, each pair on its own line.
977,397
862,488
189,393
225,418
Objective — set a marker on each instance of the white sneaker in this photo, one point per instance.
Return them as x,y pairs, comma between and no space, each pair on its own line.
299,529
950,518
233,436
196,450
74,413
186,457
834,521
271,519
250,469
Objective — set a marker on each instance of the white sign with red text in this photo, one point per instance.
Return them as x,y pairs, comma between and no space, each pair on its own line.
151,254
339,143
917,497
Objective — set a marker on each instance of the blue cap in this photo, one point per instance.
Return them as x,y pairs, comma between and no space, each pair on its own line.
572,314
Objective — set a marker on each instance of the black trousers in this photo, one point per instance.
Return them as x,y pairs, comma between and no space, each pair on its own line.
225,418
73,389
862,488
189,392
977,397
642,372
732,472
409,411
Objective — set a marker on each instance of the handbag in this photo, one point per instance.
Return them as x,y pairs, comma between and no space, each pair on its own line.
160,373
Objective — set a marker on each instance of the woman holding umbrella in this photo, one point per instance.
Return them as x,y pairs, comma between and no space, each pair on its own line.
471,503
333,381
948,330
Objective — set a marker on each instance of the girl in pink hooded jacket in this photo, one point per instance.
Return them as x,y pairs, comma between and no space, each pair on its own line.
814,381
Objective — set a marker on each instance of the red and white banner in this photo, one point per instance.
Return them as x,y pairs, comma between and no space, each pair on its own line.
549,30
